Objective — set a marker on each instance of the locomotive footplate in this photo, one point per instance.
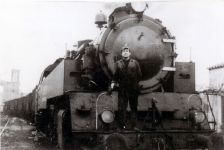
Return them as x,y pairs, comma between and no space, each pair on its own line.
129,139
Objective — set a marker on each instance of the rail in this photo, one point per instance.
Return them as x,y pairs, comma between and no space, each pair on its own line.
3,129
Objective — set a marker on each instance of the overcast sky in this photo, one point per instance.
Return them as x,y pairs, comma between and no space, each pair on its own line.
34,33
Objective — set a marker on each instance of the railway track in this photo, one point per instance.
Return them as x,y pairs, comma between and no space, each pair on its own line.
4,120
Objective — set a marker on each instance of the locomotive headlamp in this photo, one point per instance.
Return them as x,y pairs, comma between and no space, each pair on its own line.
107,116
199,117
139,7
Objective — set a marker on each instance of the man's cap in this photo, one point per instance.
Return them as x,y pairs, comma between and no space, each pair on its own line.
125,47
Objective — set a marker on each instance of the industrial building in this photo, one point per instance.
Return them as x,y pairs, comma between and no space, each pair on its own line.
10,89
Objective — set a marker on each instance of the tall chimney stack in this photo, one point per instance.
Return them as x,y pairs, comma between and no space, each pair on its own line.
15,76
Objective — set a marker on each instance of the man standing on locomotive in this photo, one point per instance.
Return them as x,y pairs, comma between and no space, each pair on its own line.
127,75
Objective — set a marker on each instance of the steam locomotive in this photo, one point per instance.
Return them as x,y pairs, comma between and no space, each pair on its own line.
70,103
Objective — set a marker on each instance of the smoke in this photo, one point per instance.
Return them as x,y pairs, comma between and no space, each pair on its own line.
110,6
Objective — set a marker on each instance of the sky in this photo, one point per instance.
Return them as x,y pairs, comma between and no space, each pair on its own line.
33,34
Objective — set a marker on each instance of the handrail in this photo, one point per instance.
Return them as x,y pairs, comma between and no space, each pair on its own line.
202,104
188,100
211,109
189,97
101,94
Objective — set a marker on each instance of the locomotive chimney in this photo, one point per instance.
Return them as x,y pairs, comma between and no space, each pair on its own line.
68,54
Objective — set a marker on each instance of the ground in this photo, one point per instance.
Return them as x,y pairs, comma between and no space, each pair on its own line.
21,135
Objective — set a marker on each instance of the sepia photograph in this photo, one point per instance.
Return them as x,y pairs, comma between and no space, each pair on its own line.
111,75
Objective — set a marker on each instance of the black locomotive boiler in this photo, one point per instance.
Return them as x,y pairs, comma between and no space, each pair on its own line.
71,104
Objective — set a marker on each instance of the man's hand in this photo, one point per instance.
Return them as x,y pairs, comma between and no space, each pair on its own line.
110,89
112,85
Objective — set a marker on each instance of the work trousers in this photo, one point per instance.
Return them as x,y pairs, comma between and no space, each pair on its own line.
125,96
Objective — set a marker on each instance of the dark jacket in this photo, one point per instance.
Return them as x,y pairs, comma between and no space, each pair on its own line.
127,76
